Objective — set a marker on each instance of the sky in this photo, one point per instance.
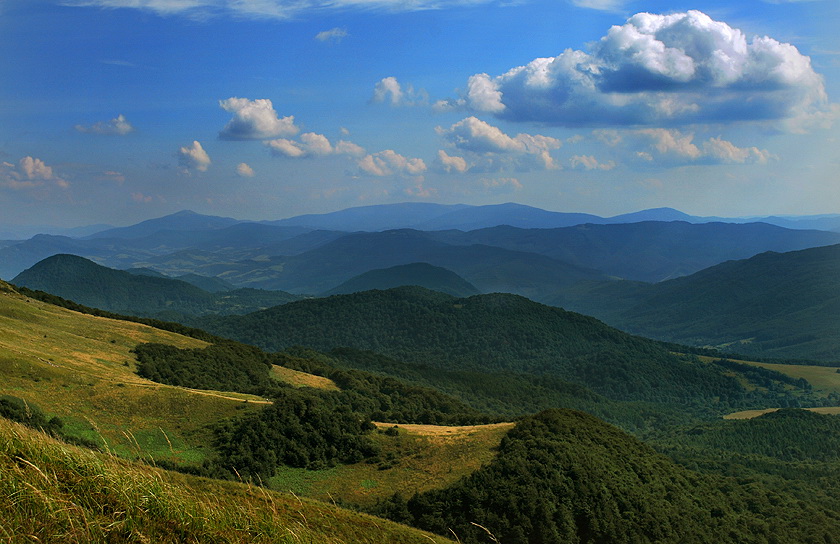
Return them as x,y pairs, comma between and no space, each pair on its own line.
116,111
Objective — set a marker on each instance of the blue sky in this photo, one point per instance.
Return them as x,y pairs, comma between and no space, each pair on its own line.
116,111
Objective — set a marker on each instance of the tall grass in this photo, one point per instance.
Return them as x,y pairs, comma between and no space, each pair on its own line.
54,492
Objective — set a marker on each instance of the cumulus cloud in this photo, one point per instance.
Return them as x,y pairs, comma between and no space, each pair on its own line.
193,157
496,149
332,35
255,120
118,126
244,171
657,70
674,146
451,164
501,185
30,172
311,144
389,162
589,162
389,90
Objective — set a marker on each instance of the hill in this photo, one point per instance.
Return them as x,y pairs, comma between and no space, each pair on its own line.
88,283
500,339
420,274
771,305
565,477
555,477
488,268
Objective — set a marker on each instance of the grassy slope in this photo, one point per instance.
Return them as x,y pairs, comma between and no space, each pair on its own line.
79,367
74,365
419,458
53,492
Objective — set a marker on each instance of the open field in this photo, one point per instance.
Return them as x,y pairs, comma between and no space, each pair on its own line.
414,458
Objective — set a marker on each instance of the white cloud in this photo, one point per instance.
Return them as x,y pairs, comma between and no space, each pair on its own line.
501,185
333,35
193,157
497,149
312,144
255,120
452,164
389,90
389,162
589,162
117,126
675,146
655,70
30,172
244,171
274,9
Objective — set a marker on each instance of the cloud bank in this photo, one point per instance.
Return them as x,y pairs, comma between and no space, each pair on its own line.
657,70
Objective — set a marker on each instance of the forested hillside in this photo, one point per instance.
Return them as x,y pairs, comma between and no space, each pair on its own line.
497,339
566,477
773,304
88,283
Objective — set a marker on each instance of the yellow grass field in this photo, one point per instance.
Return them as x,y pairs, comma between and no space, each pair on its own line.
302,379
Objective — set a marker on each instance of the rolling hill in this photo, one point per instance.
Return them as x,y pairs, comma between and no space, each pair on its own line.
558,476
489,341
88,283
783,305
420,274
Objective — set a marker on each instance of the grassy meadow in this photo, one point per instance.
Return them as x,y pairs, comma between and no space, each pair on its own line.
80,368
413,458
53,492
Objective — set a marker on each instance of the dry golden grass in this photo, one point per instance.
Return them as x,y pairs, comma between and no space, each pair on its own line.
419,458
80,367
302,379
53,492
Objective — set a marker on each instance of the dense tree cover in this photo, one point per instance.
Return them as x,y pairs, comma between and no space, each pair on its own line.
790,450
422,274
227,366
566,477
494,335
784,305
300,429
91,284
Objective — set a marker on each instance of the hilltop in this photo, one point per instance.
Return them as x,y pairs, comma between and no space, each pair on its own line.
144,294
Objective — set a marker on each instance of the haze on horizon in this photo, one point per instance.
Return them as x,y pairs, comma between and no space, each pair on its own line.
116,111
